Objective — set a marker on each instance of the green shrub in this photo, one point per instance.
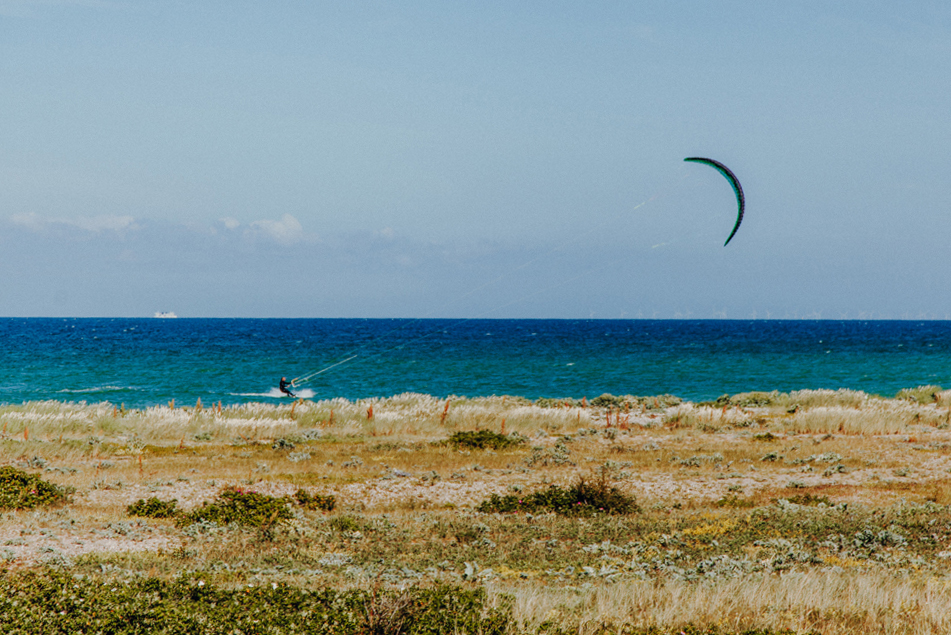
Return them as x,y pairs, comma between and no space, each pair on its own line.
732,501
22,490
608,400
56,602
315,501
584,498
153,508
754,399
481,440
282,444
809,499
235,505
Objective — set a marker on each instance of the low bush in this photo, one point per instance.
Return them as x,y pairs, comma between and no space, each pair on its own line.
56,602
482,440
607,400
282,444
810,499
22,490
584,498
735,502
748,399
153,508
315,501
235,505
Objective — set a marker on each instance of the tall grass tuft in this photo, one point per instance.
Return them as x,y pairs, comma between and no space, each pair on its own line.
830,602
706,418
877,417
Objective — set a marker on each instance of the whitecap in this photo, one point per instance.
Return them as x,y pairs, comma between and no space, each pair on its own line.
98,389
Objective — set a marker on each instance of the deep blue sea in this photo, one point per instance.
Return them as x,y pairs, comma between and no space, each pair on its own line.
143,362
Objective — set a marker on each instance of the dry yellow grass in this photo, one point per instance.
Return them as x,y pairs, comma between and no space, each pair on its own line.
827,602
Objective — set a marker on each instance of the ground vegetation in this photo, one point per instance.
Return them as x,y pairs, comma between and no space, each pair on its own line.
802,512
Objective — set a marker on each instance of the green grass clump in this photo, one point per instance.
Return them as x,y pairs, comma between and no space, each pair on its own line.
22,490
482,440
315,501
153,508
584,498
235,505
346,524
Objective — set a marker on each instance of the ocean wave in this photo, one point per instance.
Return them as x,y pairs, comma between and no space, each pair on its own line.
98,389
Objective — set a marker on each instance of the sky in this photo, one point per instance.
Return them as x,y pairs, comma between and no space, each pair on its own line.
476,160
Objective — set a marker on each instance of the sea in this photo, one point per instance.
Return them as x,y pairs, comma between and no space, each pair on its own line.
145,362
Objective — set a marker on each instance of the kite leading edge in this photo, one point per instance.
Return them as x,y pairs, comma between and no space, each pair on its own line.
737,188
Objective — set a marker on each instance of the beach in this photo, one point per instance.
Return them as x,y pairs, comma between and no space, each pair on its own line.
745,506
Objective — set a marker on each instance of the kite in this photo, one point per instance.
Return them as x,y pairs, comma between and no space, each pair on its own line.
737,188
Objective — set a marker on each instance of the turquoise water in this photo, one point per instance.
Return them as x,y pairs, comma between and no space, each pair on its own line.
142,362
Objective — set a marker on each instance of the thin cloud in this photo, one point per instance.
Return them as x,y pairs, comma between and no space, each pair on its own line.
92,224
287,230
90,4
29,221
29,8
99,224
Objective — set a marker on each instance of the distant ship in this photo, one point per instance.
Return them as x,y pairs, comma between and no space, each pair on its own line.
164,314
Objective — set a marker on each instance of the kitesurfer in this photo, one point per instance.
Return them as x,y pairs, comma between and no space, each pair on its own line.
284,387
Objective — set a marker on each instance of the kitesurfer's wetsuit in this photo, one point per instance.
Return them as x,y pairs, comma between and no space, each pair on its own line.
284,387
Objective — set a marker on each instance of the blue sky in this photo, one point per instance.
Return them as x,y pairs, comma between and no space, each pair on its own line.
436,159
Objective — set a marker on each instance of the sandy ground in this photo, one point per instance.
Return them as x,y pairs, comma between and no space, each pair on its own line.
29,537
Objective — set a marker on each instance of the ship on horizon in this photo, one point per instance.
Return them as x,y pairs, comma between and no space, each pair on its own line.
164,314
